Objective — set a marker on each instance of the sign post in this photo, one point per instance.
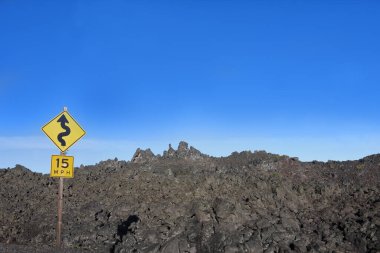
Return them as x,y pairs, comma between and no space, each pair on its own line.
63,131
60,207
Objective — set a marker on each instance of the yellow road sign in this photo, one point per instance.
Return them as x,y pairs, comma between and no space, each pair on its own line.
62,166
63,130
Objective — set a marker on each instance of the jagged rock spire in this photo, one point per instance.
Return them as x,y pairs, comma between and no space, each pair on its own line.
183,152
142,156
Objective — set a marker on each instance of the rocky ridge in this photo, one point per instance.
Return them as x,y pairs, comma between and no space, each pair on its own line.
185,201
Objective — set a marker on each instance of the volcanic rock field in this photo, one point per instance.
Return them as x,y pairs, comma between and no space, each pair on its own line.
185,201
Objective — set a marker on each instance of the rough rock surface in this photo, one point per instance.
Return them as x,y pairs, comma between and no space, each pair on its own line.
185,201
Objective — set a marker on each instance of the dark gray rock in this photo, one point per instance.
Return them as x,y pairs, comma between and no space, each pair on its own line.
186,201
143,156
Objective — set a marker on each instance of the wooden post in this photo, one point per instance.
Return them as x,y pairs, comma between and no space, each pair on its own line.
60,205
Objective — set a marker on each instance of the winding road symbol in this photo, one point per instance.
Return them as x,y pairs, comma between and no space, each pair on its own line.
63,120
63,130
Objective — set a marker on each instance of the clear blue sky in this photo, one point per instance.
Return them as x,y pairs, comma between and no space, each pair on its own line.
292,77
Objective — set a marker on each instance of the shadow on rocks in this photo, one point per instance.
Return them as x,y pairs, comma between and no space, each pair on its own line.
123,229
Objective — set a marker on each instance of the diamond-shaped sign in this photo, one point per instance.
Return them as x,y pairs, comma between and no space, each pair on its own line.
63,130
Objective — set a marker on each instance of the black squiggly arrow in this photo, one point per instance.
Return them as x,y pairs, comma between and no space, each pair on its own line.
63,122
